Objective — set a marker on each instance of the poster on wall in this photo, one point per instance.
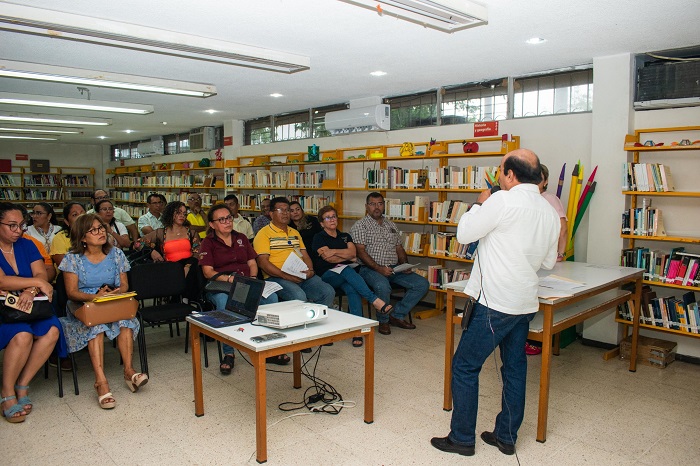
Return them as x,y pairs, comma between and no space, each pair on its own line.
486,128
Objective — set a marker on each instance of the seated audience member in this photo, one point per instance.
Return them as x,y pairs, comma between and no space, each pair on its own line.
196,216
26,345
93,268
263,219
240,223
48,264
117,233
379,249
274,243
43,225
331,249
152,220
176,242
227,251
119,214
306,225
61,242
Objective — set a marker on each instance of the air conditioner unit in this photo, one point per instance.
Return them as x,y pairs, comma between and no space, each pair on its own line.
667,84
361,119
202,139
151,147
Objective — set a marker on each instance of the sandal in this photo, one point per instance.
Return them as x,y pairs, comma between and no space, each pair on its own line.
357,342
137,380
226,365
25,401
281,360
104,400
385,309
11,412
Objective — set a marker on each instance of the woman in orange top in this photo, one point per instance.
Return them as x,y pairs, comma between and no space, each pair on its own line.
175,243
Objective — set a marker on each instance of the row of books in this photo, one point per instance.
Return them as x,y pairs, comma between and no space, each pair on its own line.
311,204
276,179
448,211
43,194
439,276
70,195
643,221
162,181
667,312
396,178
446,244
414,210
42,180
252,201
9,180
76,181
675,267
141,196
134,211
453,177
413,243
47,180
647,177
311,179
9,195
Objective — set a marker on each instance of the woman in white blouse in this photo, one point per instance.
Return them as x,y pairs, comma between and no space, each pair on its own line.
44,225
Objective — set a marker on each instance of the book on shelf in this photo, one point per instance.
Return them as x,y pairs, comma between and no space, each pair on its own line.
643,221
647,177
675,267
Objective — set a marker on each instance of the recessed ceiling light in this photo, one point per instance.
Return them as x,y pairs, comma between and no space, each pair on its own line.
56,119
535,41
128,131
378,73
102,137
164,123
276,95
44,130
211,111
29,137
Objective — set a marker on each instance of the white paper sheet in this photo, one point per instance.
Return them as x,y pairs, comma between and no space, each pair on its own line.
270,287
556,282
403,267
295,266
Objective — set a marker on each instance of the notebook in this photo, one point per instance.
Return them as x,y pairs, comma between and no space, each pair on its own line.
241,306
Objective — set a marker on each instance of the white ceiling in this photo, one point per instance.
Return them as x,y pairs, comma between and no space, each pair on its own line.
345,43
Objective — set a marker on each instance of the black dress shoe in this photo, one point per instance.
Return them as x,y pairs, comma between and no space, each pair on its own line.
384,328
506,448
445,444
401,323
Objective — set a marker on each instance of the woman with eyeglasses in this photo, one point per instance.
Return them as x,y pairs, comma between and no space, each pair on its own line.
306,225
333,253
44,224
61,242
176,242
26,345
117,234
227,251
93,268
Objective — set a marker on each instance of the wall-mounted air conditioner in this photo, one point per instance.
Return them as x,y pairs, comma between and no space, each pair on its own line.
666,84
155,147
352,120
202,139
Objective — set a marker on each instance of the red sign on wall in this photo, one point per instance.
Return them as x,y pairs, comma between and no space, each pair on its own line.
21,156
487,128
228,140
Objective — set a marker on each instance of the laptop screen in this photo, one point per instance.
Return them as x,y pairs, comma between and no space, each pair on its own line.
244,296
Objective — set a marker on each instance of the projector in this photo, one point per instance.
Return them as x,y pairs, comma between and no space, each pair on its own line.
291,314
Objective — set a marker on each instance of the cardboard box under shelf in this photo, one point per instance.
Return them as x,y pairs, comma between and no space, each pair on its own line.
653,352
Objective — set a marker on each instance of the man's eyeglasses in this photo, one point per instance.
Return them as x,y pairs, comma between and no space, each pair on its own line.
101,198
192,199
106,209
223,220
331,217
15,226
376,204
283,211
97,230
37,213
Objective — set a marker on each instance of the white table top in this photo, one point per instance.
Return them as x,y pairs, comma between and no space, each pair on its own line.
336,323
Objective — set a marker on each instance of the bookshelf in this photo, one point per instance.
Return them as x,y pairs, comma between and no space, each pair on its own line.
646,184
343,177
130,186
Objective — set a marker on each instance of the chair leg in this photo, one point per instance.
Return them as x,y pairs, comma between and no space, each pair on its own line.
46,369
143,355
75,373
170,325
221,354
59,376
177,327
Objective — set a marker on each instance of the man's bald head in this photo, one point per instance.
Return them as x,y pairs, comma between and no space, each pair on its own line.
520,166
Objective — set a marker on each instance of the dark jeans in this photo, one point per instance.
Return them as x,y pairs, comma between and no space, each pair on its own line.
487,330
354,287
416,287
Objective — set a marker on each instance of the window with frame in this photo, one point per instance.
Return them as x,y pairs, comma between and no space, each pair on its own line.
413,110
258,131
553,94
319,119
471,103
292,126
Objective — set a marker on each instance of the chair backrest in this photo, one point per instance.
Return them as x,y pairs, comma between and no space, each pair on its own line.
60,297
157,280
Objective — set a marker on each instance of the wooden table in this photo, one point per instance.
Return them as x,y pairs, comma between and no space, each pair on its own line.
338,326
600,293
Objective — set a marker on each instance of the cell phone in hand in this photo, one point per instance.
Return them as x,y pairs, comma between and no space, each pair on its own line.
108,287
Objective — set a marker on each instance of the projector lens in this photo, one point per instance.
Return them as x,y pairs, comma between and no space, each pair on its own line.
310,313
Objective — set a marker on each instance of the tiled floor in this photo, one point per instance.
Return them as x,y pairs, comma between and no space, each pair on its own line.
599,413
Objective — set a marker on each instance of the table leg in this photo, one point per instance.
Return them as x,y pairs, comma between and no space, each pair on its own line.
543,405
449,351
636,312
195,341
369,377
260,408
296,366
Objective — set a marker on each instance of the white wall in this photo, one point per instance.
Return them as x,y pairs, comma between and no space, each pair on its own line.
60,155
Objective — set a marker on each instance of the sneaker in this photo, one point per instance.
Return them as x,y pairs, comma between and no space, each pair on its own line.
532,350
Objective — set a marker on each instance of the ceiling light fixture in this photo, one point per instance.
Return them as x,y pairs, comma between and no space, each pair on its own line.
74,104
445,15
56,119
45,130
535,41
276,94
378,73
39,138
211,111
61,25
60,74
102,137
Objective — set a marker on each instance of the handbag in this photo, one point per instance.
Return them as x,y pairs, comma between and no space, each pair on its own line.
215,286
40,310
107,311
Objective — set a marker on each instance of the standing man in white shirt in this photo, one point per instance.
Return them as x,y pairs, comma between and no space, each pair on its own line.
517,230
151,220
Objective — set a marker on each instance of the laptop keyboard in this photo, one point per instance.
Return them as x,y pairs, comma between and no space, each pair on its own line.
222,316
